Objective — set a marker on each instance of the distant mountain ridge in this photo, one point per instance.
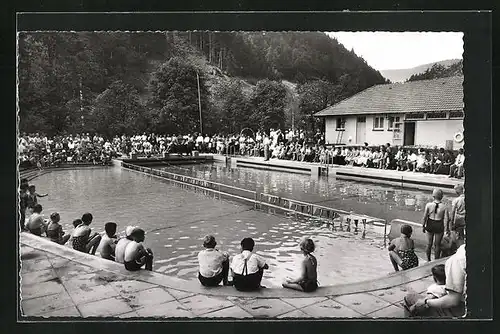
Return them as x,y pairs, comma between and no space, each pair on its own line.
401,75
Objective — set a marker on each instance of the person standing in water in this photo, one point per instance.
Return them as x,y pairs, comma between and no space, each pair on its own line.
436,218
308,278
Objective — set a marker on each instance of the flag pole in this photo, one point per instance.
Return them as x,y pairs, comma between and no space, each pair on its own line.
199,101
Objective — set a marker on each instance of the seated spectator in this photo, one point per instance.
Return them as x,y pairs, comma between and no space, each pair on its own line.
420,163
108,242
453,303
383,159
411,161
247,268
402,250
83,238
121,245
438,161
308,277
457,169
214,265
435,290
55,231
136,255
36,223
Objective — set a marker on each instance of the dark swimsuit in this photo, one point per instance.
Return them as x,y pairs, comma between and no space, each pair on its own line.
309,285
408,259
80,243
435,226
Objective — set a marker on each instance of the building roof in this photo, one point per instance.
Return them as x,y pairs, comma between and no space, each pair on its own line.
417,96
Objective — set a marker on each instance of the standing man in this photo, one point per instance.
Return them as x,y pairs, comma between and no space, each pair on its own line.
458,214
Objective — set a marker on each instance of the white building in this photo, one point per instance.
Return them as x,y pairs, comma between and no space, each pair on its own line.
424,113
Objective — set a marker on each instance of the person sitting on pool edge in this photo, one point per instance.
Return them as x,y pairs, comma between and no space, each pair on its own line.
55,231
36,223
83,239
214,265
136,255
247,268
122,244
108,242
402,250
308,279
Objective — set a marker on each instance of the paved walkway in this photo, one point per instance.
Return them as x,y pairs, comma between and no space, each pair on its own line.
57,281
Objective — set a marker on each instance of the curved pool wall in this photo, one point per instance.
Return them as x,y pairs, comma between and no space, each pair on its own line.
420,276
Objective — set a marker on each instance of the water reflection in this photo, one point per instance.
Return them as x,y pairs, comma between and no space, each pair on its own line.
375,200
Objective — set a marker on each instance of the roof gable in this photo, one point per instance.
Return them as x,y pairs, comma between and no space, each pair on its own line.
416,96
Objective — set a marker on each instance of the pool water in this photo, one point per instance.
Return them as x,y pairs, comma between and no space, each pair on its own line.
176,219
379,201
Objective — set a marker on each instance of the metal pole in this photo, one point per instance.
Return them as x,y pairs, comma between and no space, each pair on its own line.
199,101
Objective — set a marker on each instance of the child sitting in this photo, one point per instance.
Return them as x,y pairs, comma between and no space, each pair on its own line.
136,255
402,250
434,291
54,230
108,242
307,281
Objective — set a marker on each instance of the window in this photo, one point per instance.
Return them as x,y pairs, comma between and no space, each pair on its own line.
415,115
340,124
378,123
436,115
394,121
456,114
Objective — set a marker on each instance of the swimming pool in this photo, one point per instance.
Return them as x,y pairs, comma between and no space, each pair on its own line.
374,200
176,220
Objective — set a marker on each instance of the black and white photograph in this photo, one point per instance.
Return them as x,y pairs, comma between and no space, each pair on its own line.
241,174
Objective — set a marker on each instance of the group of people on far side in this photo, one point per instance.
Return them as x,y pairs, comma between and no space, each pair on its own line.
247,268
444,228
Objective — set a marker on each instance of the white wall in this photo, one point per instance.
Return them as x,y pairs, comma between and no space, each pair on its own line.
427,132
436,132
379,137
331,133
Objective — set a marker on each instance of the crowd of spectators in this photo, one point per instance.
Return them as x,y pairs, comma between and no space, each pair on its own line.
42,151
288,145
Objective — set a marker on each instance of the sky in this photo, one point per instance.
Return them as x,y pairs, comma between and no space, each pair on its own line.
400,50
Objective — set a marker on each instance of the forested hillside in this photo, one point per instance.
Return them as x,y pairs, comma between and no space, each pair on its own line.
439,71
128,82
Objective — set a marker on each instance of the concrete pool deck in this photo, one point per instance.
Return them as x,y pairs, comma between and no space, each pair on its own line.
404,179
57,281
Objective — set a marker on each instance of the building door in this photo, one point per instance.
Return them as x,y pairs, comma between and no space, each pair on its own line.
409,136
361,130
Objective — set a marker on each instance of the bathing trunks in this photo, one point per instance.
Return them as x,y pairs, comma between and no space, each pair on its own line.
434,226
309,285
132,265
80,243
408,259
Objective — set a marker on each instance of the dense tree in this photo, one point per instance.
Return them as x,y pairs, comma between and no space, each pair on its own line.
439,71
268,105
67,79
314,96
117,110
174,93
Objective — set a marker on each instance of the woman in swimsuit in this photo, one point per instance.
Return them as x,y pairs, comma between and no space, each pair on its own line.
54,230
308,279
436,217
402,250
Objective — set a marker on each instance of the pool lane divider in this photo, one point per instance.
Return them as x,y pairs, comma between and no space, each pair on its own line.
259,200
